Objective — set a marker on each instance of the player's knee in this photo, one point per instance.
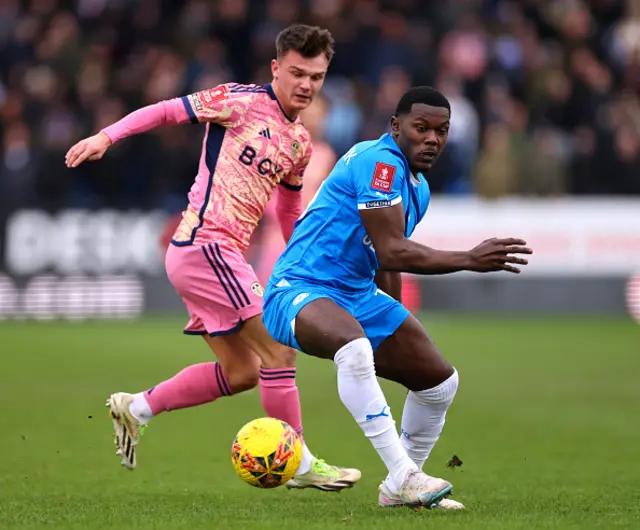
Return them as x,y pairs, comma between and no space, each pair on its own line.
442,393
245,379
356,358
432,374
451,385
277,356
447,374
272,354
287,357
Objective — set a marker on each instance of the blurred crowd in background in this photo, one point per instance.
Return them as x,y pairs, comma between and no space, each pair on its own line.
545,94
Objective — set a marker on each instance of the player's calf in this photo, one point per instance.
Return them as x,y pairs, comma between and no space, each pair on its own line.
240,364
424,416
323,324
241,382
277,375
409,357
244,380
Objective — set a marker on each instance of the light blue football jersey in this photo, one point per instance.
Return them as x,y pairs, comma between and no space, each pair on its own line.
329,245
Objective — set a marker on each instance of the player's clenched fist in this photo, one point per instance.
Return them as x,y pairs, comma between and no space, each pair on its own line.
498,254
92,148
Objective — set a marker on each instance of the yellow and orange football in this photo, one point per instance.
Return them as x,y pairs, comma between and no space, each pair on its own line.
266,453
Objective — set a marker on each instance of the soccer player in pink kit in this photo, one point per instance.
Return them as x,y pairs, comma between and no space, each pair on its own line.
254,143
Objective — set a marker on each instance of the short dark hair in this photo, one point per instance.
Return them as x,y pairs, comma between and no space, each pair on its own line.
308,41
421,94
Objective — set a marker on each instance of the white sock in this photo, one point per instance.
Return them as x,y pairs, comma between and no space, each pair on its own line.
423,418
361,393
140,409
307,460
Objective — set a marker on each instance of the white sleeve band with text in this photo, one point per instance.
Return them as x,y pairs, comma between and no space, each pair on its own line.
381,203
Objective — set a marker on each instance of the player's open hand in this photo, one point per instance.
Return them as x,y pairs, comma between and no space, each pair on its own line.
499,255
92,148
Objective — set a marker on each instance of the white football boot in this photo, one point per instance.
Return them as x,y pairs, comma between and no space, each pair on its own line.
388,499
420,489
324,477
127,428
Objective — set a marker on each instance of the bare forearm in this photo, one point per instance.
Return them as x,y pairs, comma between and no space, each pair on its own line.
418,259
390,283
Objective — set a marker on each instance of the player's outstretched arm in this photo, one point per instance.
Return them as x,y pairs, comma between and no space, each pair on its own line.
395,252
171,112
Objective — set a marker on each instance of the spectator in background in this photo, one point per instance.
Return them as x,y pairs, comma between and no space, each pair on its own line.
496,174
323,157
394,82
345,118
554,84
542,169
457,163
19,166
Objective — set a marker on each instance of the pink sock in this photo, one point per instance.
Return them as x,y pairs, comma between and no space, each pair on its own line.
195,385
279,395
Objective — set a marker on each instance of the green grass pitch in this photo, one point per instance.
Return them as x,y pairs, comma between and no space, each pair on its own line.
546,424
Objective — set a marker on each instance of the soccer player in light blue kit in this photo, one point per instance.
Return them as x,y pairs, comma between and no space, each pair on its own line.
334,293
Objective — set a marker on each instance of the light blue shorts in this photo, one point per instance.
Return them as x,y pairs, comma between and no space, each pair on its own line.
378,314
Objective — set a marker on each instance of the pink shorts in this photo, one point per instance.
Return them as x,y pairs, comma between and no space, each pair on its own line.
218,286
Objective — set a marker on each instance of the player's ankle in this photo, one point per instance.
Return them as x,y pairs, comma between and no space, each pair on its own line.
140,409
306,462
389,484
400,474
